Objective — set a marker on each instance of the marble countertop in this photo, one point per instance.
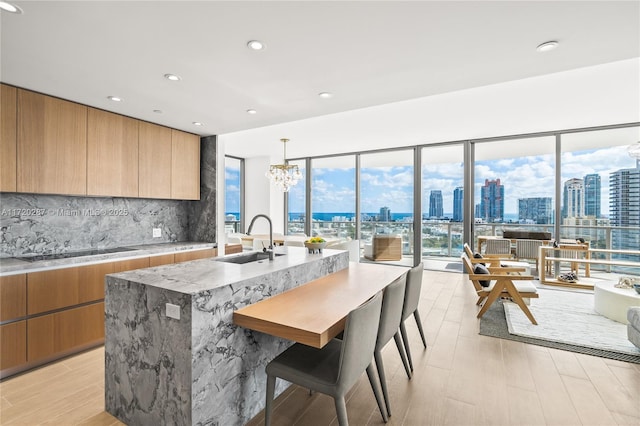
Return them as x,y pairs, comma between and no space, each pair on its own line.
201,275
12,265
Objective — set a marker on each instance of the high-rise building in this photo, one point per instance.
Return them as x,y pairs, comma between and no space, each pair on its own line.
592,195
492,201
385,214
573,198
435,204
624,208
458,202
535,210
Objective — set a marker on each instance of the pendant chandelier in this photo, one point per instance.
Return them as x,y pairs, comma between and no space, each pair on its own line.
284,176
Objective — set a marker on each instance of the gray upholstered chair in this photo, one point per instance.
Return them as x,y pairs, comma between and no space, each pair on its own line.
390,317
335,368
411,300
633,328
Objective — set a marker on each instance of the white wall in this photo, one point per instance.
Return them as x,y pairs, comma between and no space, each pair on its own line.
261,197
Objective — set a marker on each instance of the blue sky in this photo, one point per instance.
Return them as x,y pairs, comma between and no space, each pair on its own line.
533,176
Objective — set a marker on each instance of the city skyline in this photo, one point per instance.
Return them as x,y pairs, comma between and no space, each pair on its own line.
526,177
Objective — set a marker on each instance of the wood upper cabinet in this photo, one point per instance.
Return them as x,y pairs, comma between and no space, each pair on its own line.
112,154
52,145
154,144
8,137
185,166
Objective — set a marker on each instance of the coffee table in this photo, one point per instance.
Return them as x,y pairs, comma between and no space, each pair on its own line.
613,302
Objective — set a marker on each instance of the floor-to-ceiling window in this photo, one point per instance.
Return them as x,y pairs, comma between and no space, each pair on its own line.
514,185
233,194
333,196
518,183
442,200
600,189
386,196
296,202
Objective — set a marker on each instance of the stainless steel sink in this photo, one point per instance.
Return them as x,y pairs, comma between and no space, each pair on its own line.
241,259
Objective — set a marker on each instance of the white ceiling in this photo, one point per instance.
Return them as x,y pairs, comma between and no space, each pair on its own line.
365,53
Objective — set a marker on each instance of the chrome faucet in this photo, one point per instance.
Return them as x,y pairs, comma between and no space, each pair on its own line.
270,250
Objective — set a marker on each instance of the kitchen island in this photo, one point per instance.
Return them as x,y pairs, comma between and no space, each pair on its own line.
199,368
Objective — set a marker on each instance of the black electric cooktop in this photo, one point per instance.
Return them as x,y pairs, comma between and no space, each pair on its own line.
66,255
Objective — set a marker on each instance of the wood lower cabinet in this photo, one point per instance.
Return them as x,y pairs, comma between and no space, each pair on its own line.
51,145
13,297
129,265
13,344
51,314
195,255
61,332
163,259
61,288
232,248
8,137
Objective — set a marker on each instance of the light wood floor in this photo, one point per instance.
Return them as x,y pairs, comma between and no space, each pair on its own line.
461,379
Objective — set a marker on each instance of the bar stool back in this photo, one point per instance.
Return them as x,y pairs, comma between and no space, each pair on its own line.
335,368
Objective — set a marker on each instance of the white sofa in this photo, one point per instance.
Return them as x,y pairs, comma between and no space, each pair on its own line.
633,328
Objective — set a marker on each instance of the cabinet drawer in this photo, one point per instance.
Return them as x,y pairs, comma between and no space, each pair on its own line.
13,344
131,264
49,290
13,297
163,259
194,255
60,288
55,333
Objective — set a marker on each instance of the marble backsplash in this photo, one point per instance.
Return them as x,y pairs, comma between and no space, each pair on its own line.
39,224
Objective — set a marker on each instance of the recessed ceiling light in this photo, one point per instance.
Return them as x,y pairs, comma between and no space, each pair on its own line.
10,7
197,123
255,45
547,46
251,111
114,98
325,95
172,77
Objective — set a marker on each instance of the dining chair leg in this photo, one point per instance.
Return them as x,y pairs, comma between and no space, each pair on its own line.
268,408
405,339
416,315
341,410
371,374
383,380
407,367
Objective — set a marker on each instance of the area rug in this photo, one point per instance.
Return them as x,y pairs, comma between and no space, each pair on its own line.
567,321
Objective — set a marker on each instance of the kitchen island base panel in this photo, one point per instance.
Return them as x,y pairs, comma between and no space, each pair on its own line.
200,369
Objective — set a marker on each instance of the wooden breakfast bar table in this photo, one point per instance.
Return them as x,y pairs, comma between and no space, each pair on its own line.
314,313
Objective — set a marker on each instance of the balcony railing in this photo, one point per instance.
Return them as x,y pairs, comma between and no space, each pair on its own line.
444,239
